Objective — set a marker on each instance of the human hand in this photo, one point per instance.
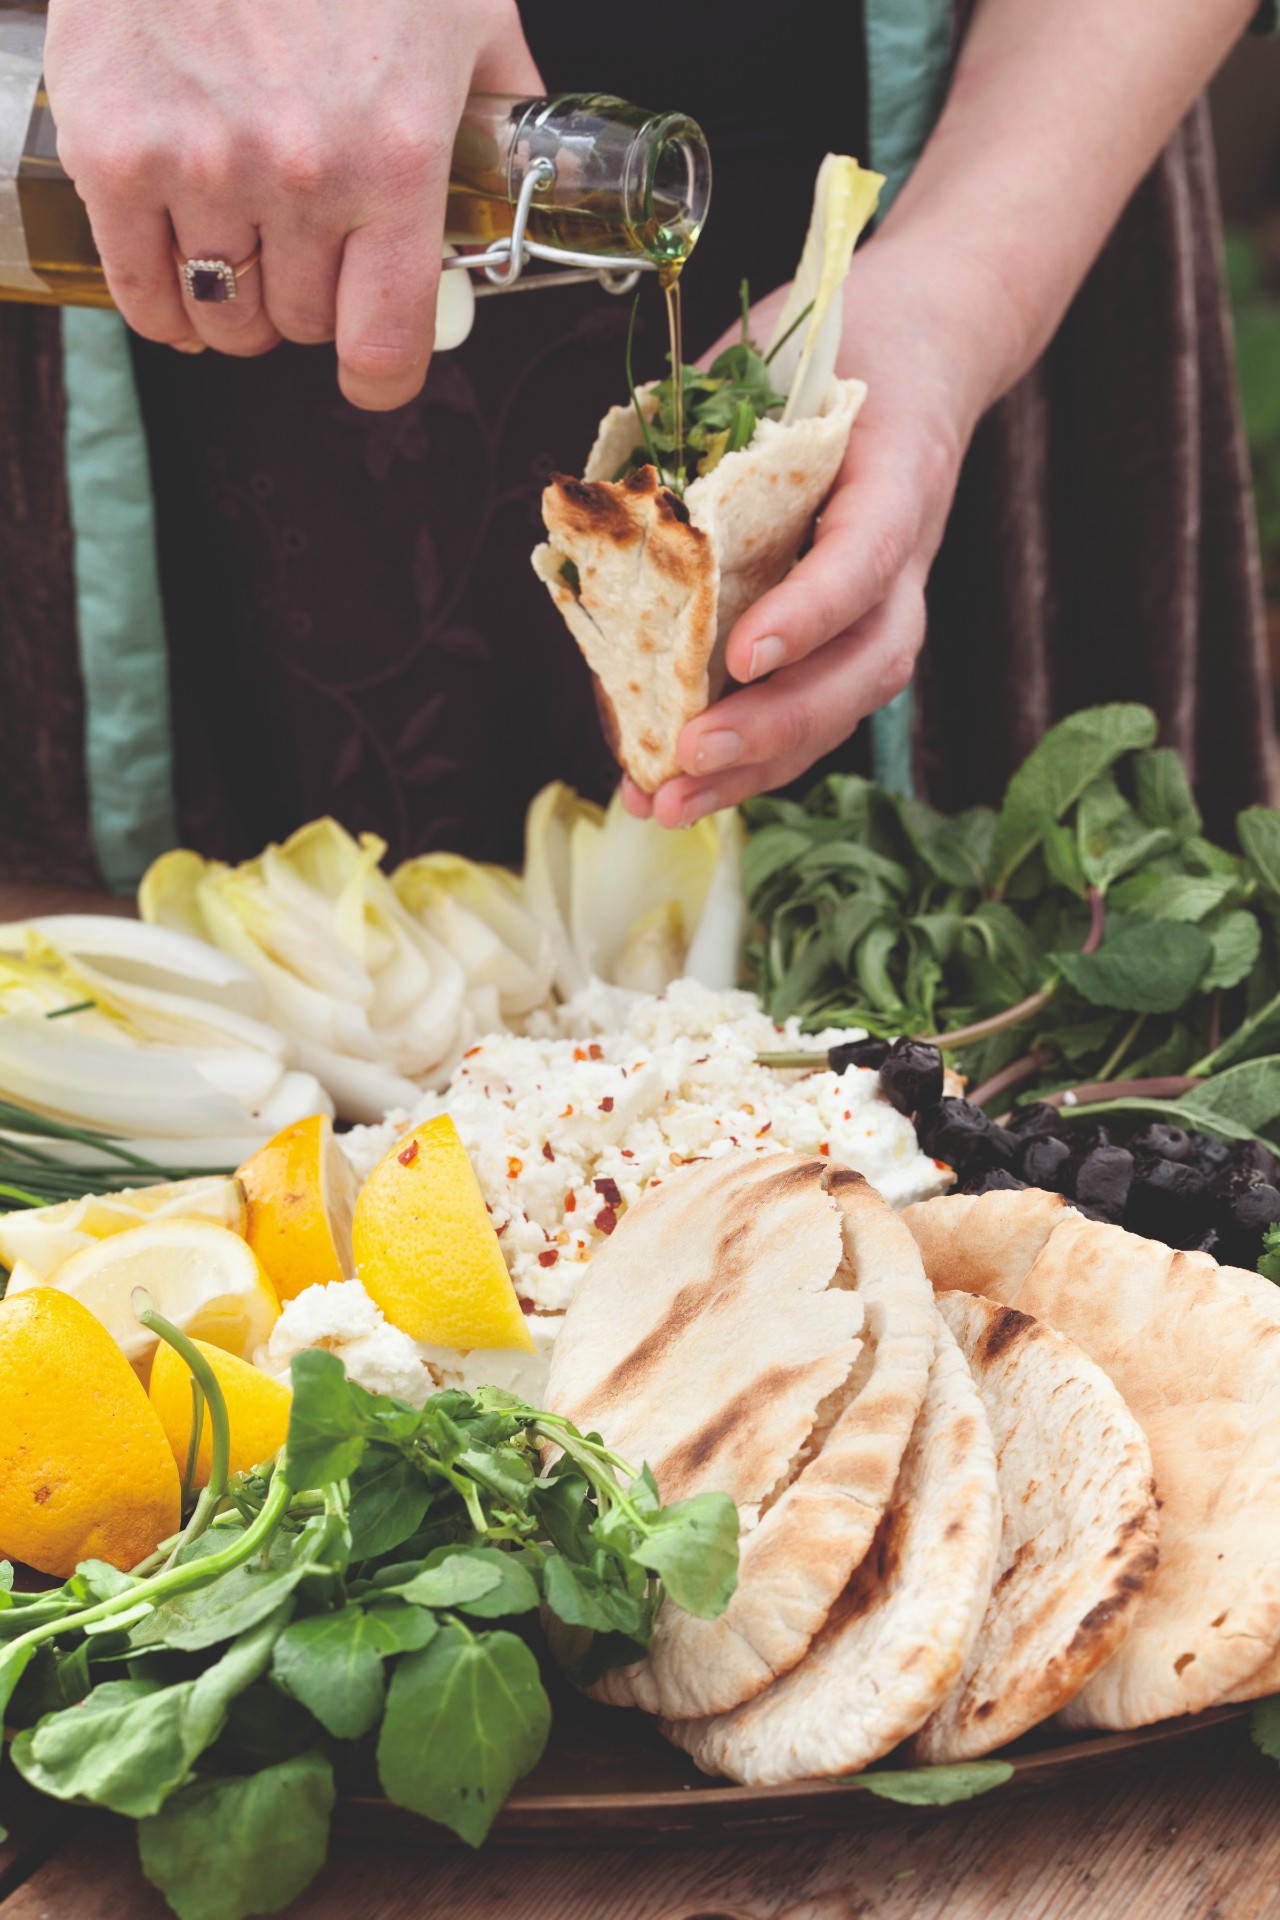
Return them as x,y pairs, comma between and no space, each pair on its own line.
838,637
323,130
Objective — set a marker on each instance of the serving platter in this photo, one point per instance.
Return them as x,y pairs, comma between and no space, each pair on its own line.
608,1777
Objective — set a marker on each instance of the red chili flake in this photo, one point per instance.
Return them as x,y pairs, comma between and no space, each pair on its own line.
943,1166
848,1116
526,1306
761,1131
409,1154
627,1154
579,1053
594,1052
606,1219
499,1231
570,1203
606,1105
549,1258
636,1068
471,1053
547,1153
566,1113
825,1147
608,1190
514,1168
702,1060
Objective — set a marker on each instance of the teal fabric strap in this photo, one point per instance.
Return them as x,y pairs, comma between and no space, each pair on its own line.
908,63
123,658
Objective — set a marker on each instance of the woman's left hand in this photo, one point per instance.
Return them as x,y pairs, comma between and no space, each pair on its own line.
838,637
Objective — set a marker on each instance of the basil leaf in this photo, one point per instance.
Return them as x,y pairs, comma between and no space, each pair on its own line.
1057,771
934,1786
465,1719
225,1848
1141,968
693,1549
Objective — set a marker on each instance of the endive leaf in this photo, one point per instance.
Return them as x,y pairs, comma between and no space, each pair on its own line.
801,365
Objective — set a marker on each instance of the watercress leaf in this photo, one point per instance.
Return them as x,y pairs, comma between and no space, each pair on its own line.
389,1499
516,1591
1057,771
455,1579
263,1727
1259,831
332,1664
14,1662
465,1718
235,1601
1163,793
400,1627
934,1786
95,1580
224,1848
560,1504
1140,968
693,1548
582,1597
500,1471
327,1424
1236,939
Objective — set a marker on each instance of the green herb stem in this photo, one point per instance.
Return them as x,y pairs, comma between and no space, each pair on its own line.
1011,1076
1169,1086
203,1376
996,1023
1107,1070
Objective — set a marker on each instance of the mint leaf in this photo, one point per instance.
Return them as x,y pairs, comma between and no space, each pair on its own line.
332,1663
693,1548
1164,793
1253,1038
1111,837
934,1786
1141,968
957,847
1057,771
465,1719
222,1849
1259,831
1248,1094
1236,939
327,1424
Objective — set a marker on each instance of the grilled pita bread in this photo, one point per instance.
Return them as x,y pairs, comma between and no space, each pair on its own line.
651,585
1078,1541
1198,1361
760,1325
897,1638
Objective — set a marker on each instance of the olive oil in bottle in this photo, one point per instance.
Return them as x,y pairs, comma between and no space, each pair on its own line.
618,185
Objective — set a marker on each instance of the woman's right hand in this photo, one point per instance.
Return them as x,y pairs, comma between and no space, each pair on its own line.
322,129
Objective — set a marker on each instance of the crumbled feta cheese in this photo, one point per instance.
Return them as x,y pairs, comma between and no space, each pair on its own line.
343,1319
566,1130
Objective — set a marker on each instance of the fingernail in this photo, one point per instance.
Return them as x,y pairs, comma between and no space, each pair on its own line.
190,346
717,750
697,808
766,654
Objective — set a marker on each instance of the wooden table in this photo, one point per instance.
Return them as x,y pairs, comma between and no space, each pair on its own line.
1194,1838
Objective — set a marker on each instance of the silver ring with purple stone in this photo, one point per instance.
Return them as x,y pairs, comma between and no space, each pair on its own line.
211,282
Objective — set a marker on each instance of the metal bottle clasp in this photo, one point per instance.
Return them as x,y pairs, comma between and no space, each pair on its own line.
504,262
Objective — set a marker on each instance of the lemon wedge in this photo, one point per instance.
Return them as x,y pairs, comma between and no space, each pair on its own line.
257,1409
301,1191
202,1277
43,1237
426,1250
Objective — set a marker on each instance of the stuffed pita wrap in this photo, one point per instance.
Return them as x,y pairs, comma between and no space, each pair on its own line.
898,1636
759,1325
1197,1359
651,574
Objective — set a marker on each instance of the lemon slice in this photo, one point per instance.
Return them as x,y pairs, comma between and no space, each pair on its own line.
257,1409
202,1277
86,1472
43,1237
300,1190
426,1250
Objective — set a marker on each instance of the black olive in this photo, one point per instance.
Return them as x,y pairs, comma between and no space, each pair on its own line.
994,1180
1038,1122
1249,1154
857,1053
1232,1181
1210,1155
1044,1161
961,1134
1103,1180
911,1076
1169,1200
1166,1143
